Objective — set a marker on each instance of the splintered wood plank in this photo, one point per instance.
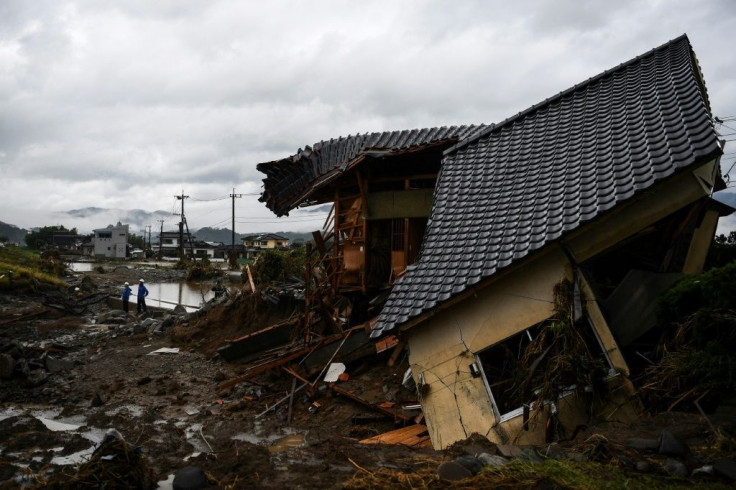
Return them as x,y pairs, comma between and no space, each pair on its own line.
413,436
375,407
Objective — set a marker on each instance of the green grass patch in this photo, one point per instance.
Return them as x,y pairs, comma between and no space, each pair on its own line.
26,266
18,256
551,474
22,273
569,474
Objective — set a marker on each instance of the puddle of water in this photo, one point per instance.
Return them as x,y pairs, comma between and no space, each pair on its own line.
191,295
74,458
286,443
276,443
56,426
8,412
167,484
193,438
133,410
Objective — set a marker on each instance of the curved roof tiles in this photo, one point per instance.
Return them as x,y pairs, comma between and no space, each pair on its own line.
544,172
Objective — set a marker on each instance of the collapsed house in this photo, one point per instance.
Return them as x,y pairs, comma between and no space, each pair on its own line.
565,220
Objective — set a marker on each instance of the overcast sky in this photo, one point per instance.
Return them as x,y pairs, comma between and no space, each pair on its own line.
123,105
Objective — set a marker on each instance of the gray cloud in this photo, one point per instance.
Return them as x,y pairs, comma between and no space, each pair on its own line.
122,105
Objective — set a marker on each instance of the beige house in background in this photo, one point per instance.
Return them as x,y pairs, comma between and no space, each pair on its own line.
265,241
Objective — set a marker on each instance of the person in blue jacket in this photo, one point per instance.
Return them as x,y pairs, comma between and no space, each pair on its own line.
142,293
126,296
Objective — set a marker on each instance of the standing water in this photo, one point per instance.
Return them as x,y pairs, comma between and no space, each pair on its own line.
191,295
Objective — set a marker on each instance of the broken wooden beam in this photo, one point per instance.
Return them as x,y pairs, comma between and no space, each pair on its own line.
375,407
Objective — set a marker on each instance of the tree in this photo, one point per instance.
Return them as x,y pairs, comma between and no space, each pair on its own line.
137,241
43,237
278,265
722,250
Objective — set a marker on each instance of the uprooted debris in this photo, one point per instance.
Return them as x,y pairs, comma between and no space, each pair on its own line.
693,362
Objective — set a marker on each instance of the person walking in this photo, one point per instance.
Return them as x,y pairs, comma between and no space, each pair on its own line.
126,296
142,293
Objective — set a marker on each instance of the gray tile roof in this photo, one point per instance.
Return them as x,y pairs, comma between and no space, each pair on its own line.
291,180
521,184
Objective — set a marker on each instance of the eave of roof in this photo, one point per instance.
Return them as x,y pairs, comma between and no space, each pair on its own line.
290,181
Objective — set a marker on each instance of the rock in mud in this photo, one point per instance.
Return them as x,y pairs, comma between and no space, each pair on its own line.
58,365
726,467
452,471
470,462
190,478
670,445
7,365
492,460
675,467
642,444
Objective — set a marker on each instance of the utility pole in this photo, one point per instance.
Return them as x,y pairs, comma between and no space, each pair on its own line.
233,254
181,225
149,240
160,239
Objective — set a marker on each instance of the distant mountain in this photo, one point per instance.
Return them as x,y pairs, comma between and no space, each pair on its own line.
294,236
221,235
101,217
12,233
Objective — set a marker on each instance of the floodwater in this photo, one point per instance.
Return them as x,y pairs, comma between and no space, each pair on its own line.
191,295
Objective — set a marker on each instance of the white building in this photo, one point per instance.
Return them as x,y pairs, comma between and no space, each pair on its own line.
169,243
111,242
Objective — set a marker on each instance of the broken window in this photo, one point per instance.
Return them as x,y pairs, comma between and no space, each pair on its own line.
545,362
501,363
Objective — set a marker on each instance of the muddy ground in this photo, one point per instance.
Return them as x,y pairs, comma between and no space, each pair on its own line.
168,404
95,371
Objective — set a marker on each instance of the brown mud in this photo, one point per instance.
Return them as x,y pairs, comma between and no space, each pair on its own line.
168,408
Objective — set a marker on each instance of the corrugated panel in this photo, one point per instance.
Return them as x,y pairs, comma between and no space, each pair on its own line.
546,171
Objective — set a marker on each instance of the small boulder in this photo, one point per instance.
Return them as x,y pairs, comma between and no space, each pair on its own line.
642,444
726,467
7,366
54,365
670,445
87,285
97,401
452,471
509,451
190,478
492,460
530,454
470,462
675,467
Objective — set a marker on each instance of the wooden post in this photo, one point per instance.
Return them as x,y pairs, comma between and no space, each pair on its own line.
307,292
337,268
250,279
